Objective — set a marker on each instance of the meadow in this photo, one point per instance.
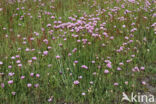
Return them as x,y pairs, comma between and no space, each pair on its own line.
76,51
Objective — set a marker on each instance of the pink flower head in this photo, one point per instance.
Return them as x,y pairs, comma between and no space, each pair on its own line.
76,82
37,75
29,85
83,94
45,52
34,58
9,66
84,66
31,74
48,25
75,61
118,68
116,84
2,85
109,65
143,82
11,74
106,71
142,68
10,82
13,93
22,77
19,65
50,99
36,85
1,62
126,82
57,57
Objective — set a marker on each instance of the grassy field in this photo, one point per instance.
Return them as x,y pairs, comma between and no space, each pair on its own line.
76,51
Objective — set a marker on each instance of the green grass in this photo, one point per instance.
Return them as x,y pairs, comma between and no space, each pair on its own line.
57,81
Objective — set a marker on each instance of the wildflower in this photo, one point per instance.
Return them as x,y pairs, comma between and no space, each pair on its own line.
76,82
50,99
9,66
84,66
1,63
17,56
49,65
142,68
29,85
10,82
34,58
91,82
13,93
48,25
57,57
36,85
80,77
75,61
93,62
11,74
45,52
121,63
109,65
2,85
19,65
13,57
118,68
83,94
31,74
94,73
49,47
106,71
69,54
143,82
22,77
126,82
116,84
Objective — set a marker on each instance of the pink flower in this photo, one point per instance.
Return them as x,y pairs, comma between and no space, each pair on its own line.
69,54
143,82
75,61
9,66
57,57
84,66
36,85
1,63
11,74
19,65
45,52
118,68
2,85
93,62
50,99
83,94
37,75
121,63
116,84
76,82
13,93
48,25
34,58
109,65
126,82
142,68
31,74
22,77
106,71
29,85
10,82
